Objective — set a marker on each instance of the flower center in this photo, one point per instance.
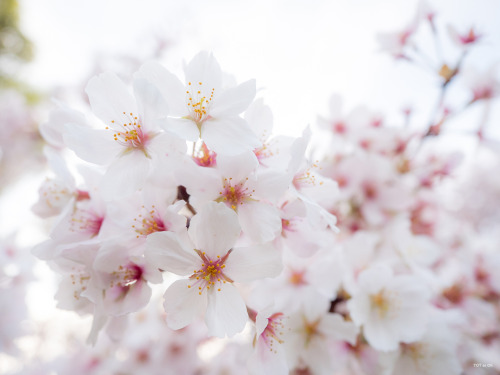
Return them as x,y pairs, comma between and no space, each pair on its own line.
148,223
274,331
210,273
289,225
263,152
123,280
234,195
307,178
297,278
417,351
86,222
80,281
383,303
126,275
311,330
129,134
198,101
204,157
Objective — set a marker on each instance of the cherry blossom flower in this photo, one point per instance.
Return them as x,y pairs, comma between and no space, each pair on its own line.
275,150
311,330
203,107
207,248
434,353
464,40
58,193
269,356
131,137
316,276
251,192
391,309
485,85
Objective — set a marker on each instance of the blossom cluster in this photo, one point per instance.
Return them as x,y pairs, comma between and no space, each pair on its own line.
221,217
356,260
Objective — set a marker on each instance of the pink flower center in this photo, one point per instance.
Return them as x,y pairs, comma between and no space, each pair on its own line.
482,93
126,275
130,134
339,127
307,178
370,190
234,195
86,222
149,223
205,157
273,331
210,273
288,225
469,38
263,152
124,279
297,278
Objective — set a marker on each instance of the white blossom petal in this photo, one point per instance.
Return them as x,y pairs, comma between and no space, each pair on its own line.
260,221
229,136
214,229
125,175
171,88
226,312
254,262
182,304
109,97
233,101
164,250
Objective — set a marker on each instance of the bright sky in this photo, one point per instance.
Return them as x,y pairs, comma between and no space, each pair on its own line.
299,51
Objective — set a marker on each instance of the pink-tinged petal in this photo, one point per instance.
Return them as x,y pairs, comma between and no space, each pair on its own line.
125,176
334,326
261,320
125,299
204,68
226,312
109,98
166,251
92,145
171,88
214,229
260,221
183,304
252,263
152,106
182,128
233,101
68,297
230,136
